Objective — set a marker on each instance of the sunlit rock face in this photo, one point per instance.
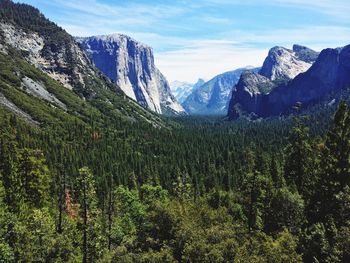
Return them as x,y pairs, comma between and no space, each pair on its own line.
131,65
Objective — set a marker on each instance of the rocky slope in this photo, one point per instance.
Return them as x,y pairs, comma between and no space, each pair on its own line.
131,65
329,73
212,97
182,90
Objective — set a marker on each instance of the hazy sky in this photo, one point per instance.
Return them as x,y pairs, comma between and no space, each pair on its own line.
193,39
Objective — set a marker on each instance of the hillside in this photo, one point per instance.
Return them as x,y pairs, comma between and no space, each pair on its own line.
32,45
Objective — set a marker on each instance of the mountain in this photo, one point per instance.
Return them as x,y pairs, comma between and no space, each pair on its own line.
130,64
212,97
283,63
182,90
329,73
43,68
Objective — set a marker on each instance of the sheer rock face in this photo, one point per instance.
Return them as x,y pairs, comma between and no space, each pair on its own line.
247,95
131,65
213,96
329,73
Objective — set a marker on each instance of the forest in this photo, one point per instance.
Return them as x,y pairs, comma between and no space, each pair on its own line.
201,190
105,180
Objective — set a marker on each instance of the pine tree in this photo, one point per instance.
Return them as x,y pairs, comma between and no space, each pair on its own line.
33,178
299,169
88,204
335,167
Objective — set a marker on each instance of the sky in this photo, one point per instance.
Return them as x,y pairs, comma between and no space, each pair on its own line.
202,38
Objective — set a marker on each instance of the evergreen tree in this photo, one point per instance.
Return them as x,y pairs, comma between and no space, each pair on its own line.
335,168
33,178
89,214
300,164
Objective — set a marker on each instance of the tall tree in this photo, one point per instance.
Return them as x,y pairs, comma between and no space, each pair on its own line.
299,170
335,167
88,204
33,178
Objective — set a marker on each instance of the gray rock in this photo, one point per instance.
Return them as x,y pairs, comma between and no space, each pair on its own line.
38,90
305,54
130,64
283,63
246,96
17,111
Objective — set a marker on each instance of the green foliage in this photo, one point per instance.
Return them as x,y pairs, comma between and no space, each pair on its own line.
262,248
286,210
33,178
29,17
301,162
200,190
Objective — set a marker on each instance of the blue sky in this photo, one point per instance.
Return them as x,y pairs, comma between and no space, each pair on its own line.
202,38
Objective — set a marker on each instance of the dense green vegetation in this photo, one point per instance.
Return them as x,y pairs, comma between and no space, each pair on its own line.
202,191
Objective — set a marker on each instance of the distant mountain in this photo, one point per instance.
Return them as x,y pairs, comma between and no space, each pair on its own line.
131,65
212,98
182,90
329,73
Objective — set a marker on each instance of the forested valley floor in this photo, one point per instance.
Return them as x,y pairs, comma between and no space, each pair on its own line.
199,190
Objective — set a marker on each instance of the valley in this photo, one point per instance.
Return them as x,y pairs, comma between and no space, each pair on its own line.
102,160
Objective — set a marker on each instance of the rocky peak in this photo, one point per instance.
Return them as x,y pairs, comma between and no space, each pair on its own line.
182,90
305,54
131,65
283,63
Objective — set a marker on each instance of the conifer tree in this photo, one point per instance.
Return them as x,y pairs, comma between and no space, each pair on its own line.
300,162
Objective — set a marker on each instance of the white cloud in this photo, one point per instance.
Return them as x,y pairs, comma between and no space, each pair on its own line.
207,58
315,36
206,61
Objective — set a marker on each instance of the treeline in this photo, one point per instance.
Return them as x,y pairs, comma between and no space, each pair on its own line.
212,192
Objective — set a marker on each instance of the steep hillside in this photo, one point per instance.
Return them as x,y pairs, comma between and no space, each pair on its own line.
42,64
